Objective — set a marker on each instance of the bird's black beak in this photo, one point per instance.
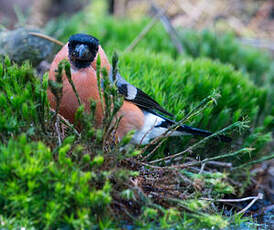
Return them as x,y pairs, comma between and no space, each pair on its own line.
81,52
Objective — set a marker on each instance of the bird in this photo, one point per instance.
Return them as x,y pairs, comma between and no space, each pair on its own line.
139,112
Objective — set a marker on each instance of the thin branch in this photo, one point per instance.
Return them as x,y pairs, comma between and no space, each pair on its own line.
212,98
146,133
230,154
202,168
258,43
153,151
142,34
145,30
220,164
169,28
152,166
46,37
66,122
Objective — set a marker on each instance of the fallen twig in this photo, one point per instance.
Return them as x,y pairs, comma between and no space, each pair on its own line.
233,200
51,39
202,168
258,197
66,122
253,198
258,43
220,164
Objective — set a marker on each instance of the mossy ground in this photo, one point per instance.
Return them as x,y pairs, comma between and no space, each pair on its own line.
84,182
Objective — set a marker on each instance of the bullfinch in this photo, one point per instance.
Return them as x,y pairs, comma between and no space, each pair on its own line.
139,111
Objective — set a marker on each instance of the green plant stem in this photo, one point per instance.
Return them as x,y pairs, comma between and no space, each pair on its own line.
98,75
68,74
201,106
265,158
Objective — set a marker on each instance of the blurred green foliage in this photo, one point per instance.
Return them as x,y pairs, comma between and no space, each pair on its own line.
226,49
117,34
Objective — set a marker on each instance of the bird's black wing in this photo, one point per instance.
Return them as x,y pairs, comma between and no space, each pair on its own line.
135,95
139,98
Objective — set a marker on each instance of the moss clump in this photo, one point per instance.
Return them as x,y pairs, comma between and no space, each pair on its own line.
50,192
23,100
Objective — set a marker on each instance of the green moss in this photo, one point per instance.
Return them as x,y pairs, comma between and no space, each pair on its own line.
43,185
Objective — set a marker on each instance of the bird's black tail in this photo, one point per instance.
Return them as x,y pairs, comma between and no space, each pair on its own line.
167,123
201,132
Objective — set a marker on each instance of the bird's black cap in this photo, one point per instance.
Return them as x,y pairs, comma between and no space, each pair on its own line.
84,39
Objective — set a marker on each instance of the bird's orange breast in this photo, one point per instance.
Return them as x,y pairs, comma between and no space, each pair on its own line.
86,85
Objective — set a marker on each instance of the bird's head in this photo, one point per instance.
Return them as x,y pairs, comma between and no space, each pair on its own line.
82,50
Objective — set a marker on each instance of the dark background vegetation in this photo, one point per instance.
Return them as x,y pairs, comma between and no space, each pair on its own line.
216,60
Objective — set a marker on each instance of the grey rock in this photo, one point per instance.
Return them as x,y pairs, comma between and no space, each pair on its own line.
20,46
